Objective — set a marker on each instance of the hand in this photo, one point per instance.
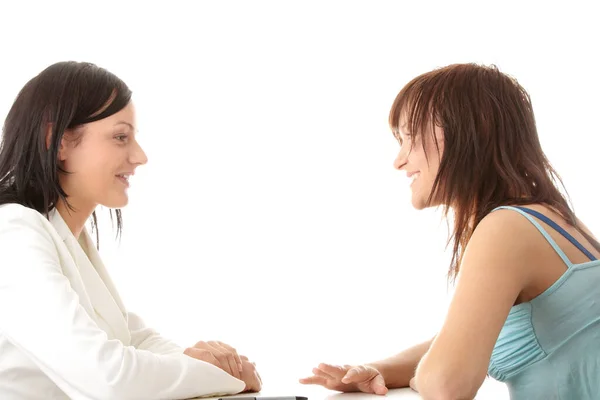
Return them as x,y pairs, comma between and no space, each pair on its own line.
362,378
250,376
219,354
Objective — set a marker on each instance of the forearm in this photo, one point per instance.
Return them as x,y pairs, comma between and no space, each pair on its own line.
398,370
146,338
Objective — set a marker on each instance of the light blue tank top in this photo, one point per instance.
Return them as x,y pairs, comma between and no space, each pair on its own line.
549,347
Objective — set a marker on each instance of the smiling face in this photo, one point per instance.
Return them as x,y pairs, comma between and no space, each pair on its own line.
100,157
420,157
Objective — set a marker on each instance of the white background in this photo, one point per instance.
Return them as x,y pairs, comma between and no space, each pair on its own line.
269,215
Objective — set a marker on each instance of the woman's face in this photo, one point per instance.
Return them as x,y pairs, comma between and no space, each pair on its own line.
102,161
421,170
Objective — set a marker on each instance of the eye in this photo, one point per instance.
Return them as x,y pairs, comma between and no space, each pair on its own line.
121,137
406,140
398,137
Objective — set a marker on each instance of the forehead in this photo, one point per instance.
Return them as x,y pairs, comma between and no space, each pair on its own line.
126,115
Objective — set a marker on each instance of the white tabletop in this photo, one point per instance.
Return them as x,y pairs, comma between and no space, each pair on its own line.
491,390
316,393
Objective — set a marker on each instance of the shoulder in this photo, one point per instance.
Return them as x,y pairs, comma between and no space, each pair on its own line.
506,229
21,223
28,249
15,212
506,240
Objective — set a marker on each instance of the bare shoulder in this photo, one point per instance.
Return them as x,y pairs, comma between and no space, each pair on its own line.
505,230
504,244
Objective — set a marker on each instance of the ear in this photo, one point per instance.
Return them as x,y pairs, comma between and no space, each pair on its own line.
48,135
62,150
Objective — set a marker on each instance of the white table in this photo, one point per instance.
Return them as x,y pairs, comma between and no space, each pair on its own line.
490,390
316,393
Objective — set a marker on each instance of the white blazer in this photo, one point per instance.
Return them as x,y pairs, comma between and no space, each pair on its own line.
64,332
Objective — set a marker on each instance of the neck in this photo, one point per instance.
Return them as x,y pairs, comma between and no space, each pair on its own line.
74,218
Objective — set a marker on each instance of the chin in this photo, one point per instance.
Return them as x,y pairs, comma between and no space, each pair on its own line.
117,202
418,202
419,205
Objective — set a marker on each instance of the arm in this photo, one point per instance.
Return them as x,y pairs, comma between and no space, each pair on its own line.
398,370
219,353
393,372
496,267
41,315
145,338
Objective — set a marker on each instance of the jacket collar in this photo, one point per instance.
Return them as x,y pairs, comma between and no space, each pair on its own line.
100,288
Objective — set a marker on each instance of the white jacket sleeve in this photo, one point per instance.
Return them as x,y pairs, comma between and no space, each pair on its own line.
41,315
146,338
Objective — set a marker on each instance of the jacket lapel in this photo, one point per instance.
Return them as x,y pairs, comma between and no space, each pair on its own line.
96,281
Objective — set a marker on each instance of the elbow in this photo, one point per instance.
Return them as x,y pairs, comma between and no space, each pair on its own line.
446,392
445,386
442,393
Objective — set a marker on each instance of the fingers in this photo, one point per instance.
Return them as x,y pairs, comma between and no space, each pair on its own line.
203,355
319,372
368,379
314,380
259,382
251,378
235,354
259,378
226,360
334,371
347,378
326,375
230,354
378,385
356,375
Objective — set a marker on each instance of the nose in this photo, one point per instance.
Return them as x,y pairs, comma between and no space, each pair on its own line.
401,158
137,155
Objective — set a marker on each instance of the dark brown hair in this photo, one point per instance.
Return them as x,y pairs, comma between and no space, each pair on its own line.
492,155
66,95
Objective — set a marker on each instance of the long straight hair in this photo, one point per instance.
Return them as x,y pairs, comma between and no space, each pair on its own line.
63,97
492,154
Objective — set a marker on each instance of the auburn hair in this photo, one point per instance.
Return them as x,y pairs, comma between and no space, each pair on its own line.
492,154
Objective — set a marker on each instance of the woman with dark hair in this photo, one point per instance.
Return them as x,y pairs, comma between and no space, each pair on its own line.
526,306
69,144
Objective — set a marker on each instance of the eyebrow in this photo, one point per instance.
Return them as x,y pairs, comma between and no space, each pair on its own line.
125,123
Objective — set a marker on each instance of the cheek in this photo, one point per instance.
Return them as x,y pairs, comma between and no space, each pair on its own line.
430,165
417,160
89,166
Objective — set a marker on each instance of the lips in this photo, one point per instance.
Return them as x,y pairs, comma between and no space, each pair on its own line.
124,178
413,176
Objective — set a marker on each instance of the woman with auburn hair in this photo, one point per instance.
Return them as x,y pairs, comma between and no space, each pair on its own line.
526,305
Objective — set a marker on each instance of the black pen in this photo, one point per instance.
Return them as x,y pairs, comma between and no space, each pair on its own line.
265,398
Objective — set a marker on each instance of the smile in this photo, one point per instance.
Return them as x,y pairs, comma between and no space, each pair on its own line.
414,177
124,178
